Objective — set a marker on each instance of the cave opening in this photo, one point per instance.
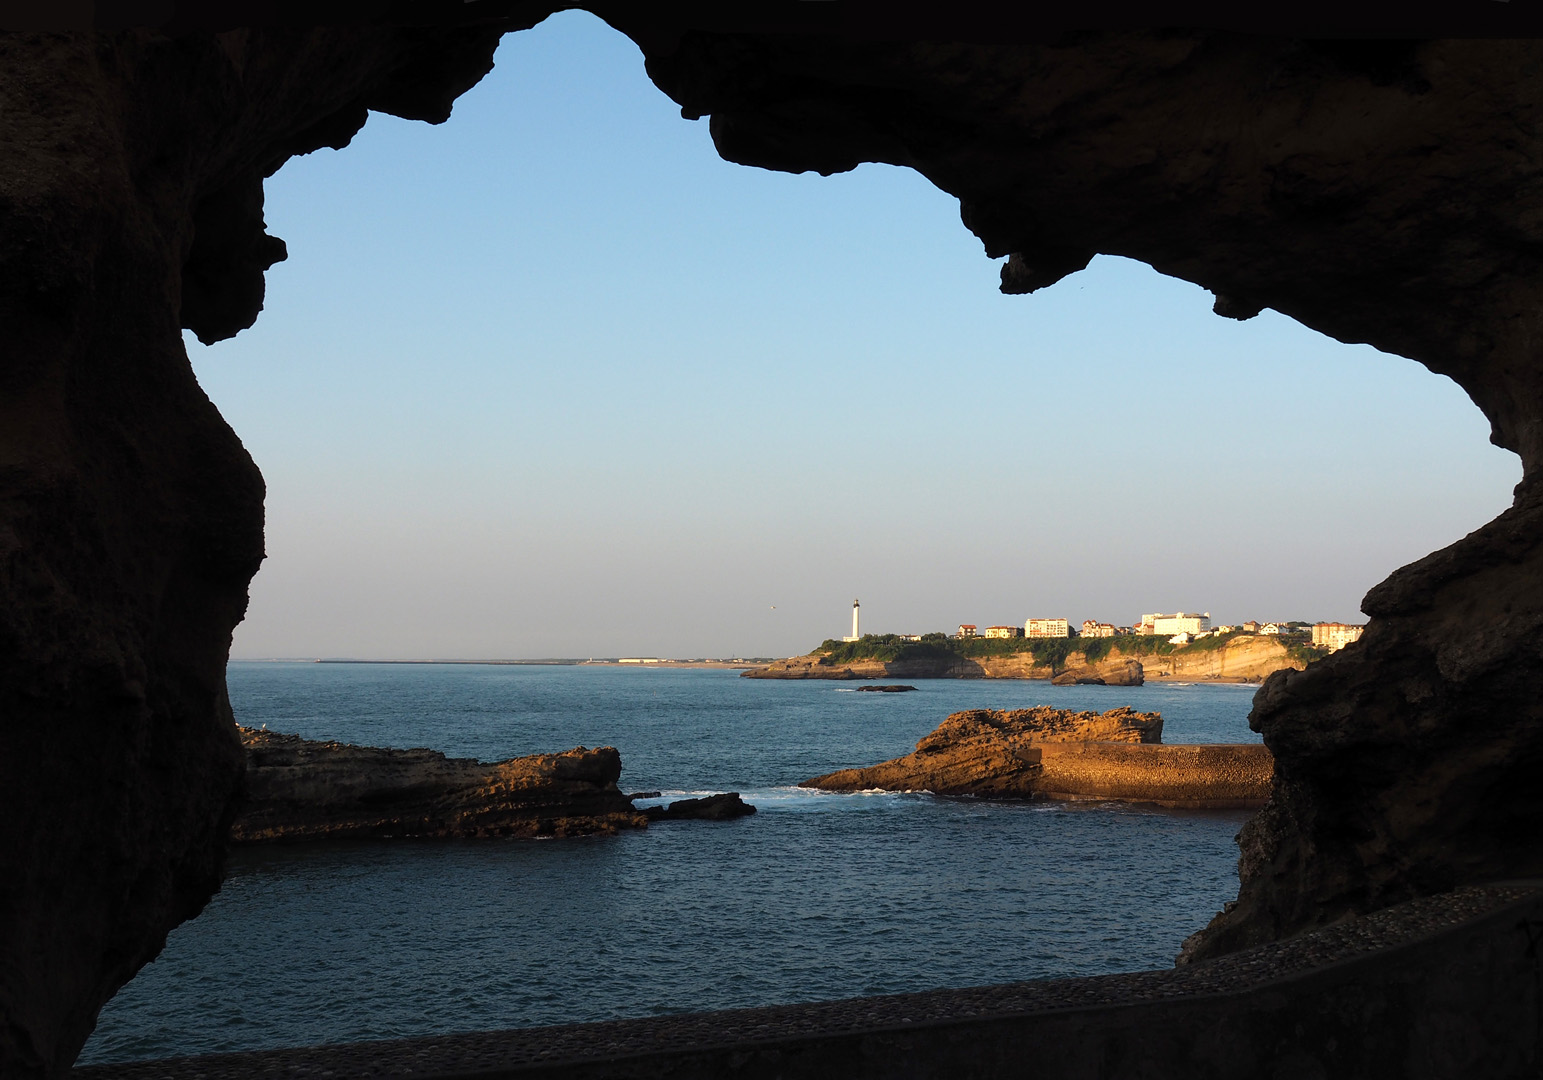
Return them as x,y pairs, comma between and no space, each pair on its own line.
1374,192
840,374
564,288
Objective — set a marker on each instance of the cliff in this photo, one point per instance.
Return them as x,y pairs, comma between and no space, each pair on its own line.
1113,670
298,789
1045,753
1245,658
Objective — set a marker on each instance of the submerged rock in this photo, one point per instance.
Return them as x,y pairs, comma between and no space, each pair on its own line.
1046,753
887,688
298,789
722,807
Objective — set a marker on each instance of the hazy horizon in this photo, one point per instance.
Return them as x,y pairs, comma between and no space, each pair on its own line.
554,380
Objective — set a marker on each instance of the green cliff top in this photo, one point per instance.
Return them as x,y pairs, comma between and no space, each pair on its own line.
1050,652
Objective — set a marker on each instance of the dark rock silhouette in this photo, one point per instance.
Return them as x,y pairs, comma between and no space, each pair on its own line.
723,807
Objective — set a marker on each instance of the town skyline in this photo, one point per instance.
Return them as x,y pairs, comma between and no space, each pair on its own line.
1180,627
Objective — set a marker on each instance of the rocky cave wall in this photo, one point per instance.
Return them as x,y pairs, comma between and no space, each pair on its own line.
130,514
1379,191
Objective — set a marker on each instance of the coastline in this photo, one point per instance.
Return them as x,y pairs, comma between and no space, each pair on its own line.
732,665
1242,660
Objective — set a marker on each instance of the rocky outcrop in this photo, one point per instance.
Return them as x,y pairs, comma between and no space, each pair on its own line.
815,666
1103,673
888,688
724,807
1379,191
1046,753
298,789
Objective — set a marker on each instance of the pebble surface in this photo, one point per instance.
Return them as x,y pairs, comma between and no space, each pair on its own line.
482,1051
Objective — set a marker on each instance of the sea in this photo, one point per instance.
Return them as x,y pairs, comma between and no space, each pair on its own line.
818,896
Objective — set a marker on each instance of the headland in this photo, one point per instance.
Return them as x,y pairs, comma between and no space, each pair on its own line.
1126,661
560,661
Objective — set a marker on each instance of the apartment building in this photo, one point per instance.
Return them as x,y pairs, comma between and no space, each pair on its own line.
1041,628
1181,622
1335,636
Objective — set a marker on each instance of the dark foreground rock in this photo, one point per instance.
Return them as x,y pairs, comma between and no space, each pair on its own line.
1048,753
1379,191
298,789
724,807
888,688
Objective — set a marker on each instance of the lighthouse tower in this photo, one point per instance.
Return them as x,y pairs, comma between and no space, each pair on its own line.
855,635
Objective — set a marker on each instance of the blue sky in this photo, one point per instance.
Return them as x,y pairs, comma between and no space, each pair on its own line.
553,379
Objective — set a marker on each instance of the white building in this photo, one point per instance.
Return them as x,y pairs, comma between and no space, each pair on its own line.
1181,622
1335,636
1004,631
1181,639
1090,628
966,629
1047,628
1272,628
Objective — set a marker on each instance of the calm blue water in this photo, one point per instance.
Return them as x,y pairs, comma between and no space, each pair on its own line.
818,896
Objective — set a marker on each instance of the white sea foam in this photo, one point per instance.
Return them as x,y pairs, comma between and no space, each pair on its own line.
799,799
666,797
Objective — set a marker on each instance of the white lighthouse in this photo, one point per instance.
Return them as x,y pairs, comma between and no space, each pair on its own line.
855,635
